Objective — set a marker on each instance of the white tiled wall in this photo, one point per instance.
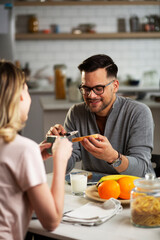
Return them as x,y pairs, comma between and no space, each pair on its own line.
133,56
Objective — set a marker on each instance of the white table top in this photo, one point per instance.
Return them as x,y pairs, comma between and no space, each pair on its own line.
118,227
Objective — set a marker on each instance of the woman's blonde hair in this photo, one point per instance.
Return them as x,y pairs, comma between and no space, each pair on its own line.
12,80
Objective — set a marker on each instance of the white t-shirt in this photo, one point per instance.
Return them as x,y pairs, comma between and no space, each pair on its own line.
21,167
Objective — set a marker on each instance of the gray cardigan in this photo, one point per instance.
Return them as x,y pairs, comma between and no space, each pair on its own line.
129,128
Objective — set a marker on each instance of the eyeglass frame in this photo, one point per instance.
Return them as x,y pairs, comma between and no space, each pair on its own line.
92,88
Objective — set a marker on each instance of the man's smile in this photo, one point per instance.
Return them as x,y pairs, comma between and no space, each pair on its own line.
92,103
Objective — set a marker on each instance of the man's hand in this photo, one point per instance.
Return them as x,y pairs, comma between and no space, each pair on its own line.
43,148
57,130
100,148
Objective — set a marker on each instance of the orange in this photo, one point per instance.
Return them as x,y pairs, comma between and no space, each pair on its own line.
109,189
126,185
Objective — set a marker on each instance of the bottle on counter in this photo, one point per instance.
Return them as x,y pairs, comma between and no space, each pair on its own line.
74,94
33,25
60,81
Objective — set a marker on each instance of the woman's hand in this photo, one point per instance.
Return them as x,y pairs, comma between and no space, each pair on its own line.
62,150
43,148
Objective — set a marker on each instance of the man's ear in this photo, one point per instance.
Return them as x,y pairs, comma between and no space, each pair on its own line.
116,85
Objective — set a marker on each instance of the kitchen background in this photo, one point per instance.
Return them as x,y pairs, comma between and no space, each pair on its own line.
127,31
133,56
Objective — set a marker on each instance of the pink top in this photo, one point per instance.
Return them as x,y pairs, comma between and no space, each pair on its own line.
21,167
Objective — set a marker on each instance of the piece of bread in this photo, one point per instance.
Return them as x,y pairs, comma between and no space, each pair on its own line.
78,139
90,175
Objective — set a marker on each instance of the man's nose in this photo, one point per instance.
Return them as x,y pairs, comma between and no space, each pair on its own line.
92,93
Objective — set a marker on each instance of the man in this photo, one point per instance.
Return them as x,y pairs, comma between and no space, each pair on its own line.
124,126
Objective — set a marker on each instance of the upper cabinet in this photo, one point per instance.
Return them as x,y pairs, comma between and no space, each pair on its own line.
65,36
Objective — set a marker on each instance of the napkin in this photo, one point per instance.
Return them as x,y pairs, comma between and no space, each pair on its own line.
92,214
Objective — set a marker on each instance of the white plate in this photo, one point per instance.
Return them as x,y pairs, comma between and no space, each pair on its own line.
92,193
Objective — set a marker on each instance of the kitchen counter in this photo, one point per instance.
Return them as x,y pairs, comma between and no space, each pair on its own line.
50,103
42,89
45,88
42,85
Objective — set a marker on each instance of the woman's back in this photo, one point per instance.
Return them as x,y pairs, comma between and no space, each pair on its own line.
23,183
21,167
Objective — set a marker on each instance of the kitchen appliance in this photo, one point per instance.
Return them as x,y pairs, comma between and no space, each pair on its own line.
6,30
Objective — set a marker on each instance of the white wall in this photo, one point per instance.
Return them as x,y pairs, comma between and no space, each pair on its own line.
133,56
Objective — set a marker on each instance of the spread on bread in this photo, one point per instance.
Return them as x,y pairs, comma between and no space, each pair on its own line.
78,139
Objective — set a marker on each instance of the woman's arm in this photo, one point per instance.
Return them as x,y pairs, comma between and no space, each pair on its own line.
48,203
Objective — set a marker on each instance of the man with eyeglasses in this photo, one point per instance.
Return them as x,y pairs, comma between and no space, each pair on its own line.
124,126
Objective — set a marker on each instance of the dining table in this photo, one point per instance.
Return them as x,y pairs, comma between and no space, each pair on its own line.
117,227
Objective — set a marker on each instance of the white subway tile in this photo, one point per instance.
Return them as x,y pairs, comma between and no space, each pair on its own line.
133,56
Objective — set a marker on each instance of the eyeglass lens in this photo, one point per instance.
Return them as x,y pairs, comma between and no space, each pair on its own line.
97,90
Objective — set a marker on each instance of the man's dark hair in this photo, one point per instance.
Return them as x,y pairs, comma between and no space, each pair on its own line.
99,61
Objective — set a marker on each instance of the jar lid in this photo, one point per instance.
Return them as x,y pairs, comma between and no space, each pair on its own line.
149,182
59,66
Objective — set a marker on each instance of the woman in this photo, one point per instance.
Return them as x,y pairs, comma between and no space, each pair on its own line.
23,186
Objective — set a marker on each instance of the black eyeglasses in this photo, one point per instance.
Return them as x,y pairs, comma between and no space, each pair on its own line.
98,89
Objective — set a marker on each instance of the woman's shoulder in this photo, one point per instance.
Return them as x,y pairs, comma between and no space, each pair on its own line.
24,142
19,149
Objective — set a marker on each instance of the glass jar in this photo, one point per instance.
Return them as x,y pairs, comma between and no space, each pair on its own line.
33,24
134,24
145,202
74,94
60,81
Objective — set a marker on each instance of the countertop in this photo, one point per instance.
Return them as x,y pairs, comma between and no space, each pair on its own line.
127,88
49,103
42,86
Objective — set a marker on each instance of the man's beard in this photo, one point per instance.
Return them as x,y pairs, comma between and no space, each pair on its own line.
101,108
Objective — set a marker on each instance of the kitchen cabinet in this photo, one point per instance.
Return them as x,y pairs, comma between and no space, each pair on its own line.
65,36
34,125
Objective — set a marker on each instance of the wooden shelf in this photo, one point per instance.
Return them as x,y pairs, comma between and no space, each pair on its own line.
73,3
65,36
70,36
